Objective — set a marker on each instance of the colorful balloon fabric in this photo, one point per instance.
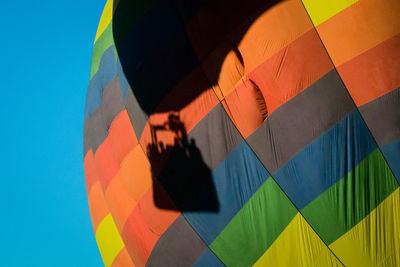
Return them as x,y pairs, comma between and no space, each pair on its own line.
245,133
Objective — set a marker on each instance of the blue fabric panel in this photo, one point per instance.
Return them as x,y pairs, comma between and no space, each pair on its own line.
208,259
122,80
326,160
106,73
236,179
391,152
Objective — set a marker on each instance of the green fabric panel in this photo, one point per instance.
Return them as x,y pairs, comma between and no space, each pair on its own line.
127,13
116,54
352,198
102,44
255,227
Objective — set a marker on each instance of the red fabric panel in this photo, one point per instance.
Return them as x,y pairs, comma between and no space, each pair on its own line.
107,167
122,136
291,70
246,107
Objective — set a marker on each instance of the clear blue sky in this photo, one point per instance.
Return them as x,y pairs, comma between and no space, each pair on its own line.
46,48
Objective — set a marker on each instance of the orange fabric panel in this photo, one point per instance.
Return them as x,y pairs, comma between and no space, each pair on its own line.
374,72
243,106
291,70
97,205
122,136
190,105
359,27
136,173
119,201
123,259
91,175
273,30
223,68
107,167
144,226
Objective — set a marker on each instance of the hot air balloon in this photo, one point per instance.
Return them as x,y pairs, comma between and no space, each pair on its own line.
238,133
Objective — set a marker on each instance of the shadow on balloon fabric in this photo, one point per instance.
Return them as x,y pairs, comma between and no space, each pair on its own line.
160,43
181,170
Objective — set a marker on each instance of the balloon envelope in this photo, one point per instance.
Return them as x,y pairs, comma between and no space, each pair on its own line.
245,133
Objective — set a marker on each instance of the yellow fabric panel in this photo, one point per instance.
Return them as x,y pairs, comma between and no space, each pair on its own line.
321,10
375,241
105,18
108,240
298,245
